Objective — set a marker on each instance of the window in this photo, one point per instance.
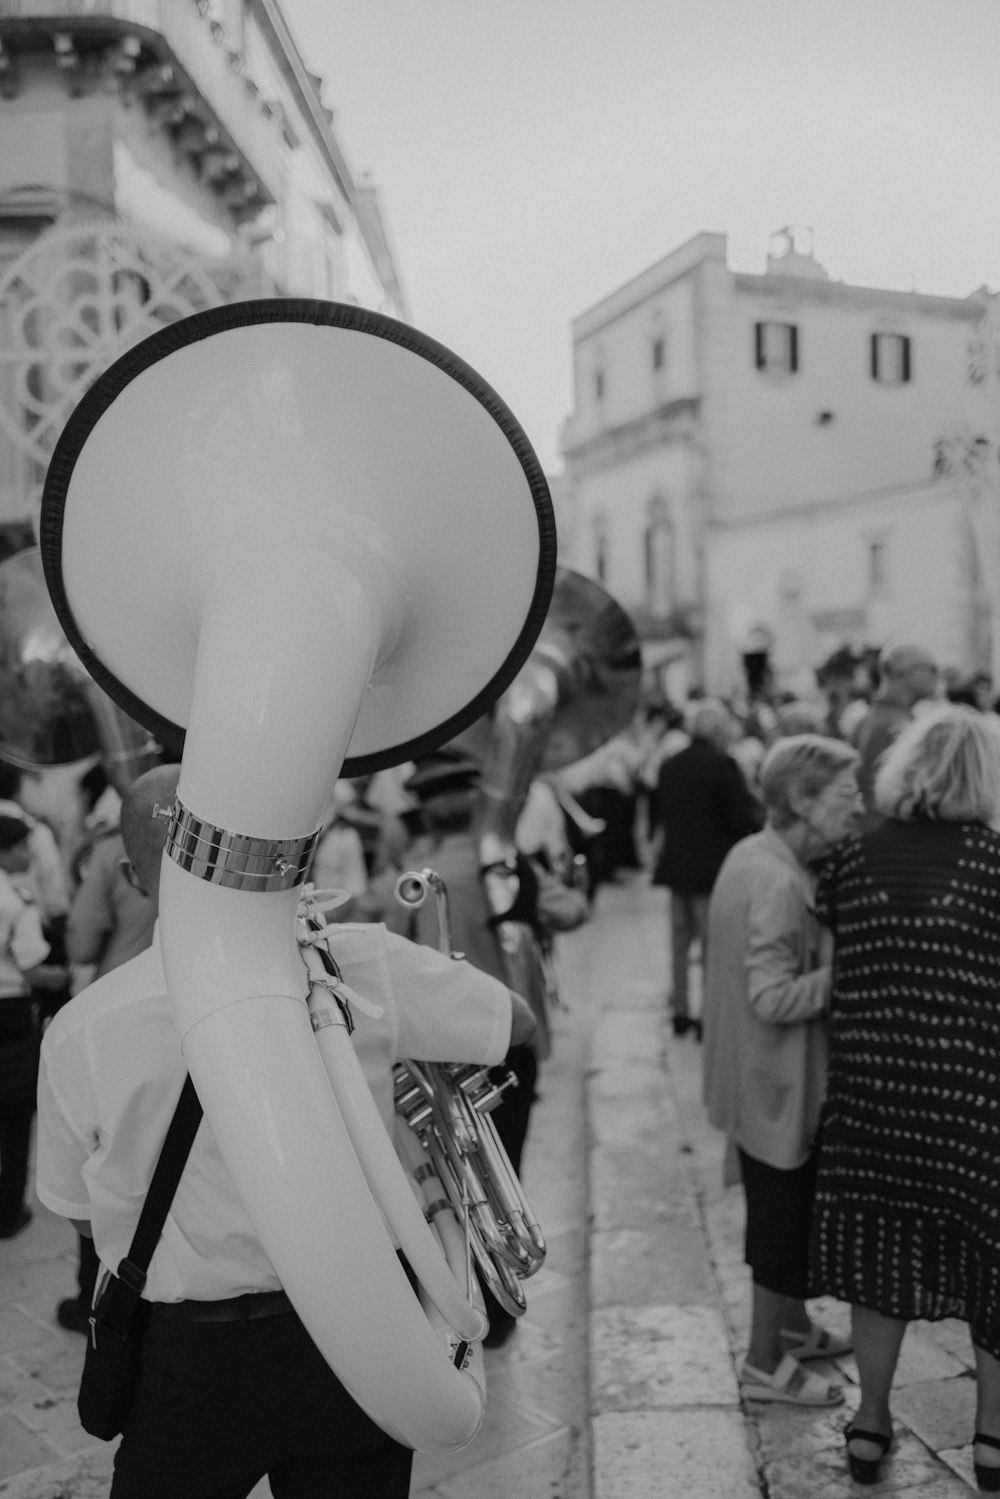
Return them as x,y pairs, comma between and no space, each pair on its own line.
659,350
776,347
891,358
598,385
978,368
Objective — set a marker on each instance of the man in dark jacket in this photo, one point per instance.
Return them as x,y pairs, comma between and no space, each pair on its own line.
701,806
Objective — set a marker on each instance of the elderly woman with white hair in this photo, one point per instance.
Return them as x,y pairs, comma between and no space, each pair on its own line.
766,996
907,1216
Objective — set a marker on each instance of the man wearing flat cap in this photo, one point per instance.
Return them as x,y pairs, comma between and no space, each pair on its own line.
445,784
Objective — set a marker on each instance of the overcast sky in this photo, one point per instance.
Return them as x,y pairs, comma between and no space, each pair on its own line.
532,155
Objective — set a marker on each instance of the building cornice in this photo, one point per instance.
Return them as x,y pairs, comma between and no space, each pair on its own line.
361,197
669,423
918,491
839,294
302,84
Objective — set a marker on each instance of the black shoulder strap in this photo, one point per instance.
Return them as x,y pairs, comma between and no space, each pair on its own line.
170,1164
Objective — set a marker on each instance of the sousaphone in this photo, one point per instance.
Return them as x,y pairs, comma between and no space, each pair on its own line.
312,542
579,687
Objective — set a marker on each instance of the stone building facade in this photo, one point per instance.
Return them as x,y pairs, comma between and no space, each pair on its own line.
156,157
784,458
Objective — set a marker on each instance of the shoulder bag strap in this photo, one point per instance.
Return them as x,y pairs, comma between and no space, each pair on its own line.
175,1151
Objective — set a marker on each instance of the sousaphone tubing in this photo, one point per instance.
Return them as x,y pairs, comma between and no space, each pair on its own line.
308,541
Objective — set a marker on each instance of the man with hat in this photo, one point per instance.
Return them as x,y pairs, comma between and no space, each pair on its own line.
445,786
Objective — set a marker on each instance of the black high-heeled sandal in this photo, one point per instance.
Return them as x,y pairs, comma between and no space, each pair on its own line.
987,1478
865,1469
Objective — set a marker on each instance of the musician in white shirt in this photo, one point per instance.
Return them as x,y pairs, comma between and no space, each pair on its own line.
231,1387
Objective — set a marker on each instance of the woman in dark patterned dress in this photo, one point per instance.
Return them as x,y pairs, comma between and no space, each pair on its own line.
907,1212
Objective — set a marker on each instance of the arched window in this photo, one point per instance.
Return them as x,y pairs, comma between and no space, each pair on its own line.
659,557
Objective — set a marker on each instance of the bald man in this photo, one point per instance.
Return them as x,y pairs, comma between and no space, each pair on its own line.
907,675
231,1387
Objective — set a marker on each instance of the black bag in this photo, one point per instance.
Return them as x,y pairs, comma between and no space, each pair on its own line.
119,1318
114,1349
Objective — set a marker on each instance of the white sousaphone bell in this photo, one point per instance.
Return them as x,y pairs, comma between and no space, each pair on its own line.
311,542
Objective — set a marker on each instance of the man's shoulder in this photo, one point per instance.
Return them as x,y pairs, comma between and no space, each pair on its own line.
884,716
139,979
681,764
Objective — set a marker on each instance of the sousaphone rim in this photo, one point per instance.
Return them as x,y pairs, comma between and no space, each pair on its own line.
158,345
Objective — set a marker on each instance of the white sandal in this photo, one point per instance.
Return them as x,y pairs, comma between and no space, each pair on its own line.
817,1343
790,1384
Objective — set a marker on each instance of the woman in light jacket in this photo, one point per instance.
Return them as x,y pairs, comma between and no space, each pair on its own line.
766,995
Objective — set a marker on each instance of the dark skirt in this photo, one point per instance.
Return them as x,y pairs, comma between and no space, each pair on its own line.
907,1217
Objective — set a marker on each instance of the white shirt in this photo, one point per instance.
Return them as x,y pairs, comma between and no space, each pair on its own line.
45,880
111,1073
21,942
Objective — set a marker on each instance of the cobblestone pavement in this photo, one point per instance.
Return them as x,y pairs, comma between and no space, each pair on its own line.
620,1382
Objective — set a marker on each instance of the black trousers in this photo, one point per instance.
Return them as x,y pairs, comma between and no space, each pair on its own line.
512,1117
221,1404
15,1144
513,1114
18,1083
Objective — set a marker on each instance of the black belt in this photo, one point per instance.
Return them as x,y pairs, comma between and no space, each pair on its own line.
234,1309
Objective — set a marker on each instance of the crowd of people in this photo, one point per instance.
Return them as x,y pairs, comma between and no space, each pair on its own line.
849,940
831,869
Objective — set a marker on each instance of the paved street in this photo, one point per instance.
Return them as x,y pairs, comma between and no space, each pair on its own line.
620,1382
